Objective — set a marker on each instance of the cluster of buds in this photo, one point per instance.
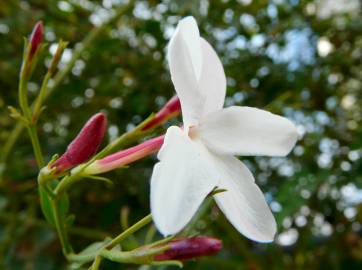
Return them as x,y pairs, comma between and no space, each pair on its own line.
124,157
85,145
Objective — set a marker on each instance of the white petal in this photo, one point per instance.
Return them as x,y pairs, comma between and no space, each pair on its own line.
212,81
180,181
243,203
185,60
191,36
247,131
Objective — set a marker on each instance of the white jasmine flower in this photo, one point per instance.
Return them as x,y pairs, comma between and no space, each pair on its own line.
196,159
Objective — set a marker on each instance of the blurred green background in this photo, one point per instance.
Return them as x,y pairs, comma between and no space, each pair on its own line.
298,58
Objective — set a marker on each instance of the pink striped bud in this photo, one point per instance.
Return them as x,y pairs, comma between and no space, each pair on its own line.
189,248
125,157
85,145
36,38
171,109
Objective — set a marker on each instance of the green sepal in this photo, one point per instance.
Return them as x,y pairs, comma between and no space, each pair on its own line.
100,178
217,191
168,263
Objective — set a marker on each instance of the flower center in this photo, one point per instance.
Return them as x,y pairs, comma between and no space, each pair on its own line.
193,132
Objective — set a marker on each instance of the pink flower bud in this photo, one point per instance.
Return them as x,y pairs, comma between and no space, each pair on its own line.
189,248
125,157
85,145
36,38
171,109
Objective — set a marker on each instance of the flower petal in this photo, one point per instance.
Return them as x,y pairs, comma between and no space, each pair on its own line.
180,181
185,61
243,203
247,131
212,81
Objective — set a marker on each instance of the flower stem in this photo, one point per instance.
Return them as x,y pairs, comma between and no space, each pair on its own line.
39,101
117,240
96,263
200,213
23,100
60,226
135,227
36,145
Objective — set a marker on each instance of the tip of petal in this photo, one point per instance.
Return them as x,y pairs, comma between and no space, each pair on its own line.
265,236
187,36
188,21
292,135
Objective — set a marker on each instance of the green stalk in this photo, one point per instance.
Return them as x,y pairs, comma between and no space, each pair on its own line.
36,145
23,99
96,263
60,226
39,101
117,240
205,207
135,227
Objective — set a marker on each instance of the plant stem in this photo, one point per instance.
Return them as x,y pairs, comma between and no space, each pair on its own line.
117,240
202,211
96,263
23,93
62,233
135,227
39,101
66,182
36,145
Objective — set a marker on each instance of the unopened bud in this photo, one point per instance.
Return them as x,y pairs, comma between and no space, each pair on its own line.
85,145
125,157
189,248
36,38
171,109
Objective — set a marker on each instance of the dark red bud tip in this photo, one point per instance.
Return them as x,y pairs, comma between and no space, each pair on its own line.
36,38
85,145
171,109
173,104
189,248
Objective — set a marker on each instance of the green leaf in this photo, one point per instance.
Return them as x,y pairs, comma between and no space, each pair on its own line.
46,206
70,220
64,206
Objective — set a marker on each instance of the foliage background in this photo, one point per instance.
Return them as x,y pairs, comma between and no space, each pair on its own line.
298,58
